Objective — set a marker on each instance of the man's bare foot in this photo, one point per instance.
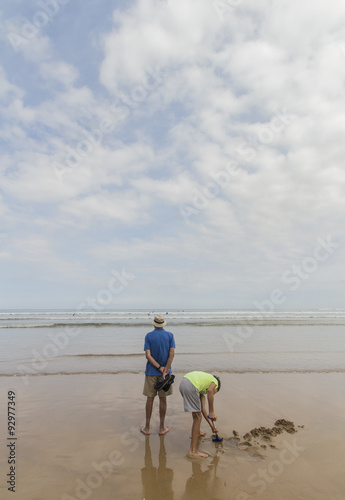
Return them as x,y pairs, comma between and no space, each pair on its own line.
144,430
197,454
164,431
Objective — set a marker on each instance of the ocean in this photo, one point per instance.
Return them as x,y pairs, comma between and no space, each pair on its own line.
69,342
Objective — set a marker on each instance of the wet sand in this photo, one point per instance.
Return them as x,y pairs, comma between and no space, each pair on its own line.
78,437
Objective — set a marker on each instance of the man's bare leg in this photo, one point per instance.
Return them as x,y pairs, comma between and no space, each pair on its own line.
162,412
193,453
148,411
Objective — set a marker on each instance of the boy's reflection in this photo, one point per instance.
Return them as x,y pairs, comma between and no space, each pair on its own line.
157,481
199,486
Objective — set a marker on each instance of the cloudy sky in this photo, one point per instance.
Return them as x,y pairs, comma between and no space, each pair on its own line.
172,154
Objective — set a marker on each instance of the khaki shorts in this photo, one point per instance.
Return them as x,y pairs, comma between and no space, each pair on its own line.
149,387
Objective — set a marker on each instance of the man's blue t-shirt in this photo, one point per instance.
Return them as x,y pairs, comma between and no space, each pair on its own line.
159,342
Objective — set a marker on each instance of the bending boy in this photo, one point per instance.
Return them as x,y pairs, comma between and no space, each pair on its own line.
194,388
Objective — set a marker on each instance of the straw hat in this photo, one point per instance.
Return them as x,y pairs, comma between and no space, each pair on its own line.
159,321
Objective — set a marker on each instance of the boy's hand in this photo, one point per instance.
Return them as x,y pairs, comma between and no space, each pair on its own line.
212,418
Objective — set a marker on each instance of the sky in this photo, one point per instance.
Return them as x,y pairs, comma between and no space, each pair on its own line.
172,154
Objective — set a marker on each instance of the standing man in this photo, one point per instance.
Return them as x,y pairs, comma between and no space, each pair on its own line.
195,387
159,350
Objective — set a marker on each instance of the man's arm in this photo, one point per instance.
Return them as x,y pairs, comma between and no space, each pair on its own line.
169,362
152,360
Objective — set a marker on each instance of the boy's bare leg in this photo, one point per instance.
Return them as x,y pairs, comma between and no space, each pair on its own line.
162,412
193,453
148,410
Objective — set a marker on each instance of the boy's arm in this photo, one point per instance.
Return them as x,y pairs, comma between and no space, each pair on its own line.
169,362
204,411
210,399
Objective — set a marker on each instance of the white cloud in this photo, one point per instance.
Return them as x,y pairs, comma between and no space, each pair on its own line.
6,87
59,71
151,32
34,252
126,207
255,99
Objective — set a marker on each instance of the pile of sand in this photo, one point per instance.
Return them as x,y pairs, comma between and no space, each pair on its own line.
266,433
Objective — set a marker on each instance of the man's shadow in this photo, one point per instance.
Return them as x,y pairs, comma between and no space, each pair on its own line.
157,481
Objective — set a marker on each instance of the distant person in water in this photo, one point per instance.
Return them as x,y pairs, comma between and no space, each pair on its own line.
195,387
159,350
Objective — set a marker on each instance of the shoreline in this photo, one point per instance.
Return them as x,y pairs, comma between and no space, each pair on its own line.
27,376
73,431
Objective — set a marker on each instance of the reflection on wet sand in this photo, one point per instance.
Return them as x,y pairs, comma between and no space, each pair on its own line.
202,484
157,481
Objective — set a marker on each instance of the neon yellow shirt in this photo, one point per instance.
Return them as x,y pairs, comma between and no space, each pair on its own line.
201,380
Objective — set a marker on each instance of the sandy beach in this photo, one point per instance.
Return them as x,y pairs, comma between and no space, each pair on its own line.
78,437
